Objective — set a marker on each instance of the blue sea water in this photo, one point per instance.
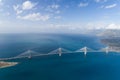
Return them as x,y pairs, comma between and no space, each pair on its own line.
76,66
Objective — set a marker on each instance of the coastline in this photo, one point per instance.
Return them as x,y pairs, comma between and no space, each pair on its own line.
4,64
113,43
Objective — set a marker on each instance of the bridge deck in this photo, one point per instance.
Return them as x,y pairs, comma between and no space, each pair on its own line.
59,51
43,55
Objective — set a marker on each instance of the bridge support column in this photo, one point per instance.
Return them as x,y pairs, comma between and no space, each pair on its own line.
85,51
30,56
107,50
60,51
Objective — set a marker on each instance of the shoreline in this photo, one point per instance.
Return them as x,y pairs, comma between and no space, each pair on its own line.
4,64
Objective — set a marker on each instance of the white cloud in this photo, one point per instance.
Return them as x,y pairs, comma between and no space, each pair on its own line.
17,9
1,3
34,17
100,1
95,25
54,6
111,6
83,5
113,26
97,0
28,5
102,25
53,9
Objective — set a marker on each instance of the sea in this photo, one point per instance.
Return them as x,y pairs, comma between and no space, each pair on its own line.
74,66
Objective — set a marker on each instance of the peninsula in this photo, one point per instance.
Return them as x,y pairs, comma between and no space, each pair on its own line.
4,64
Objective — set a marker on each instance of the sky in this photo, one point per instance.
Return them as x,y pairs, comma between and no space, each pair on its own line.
57,16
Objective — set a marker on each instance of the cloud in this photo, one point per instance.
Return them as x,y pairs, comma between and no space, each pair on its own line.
17,9
27,5
54,6
110,6
1,2
53,9
100,1
34,17
2,6
113,26
83,5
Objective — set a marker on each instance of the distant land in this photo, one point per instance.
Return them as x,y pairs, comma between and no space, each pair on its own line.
7,64
111,38
109,33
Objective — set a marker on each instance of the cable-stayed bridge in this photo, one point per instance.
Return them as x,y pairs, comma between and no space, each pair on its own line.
28,53
59,51
85,50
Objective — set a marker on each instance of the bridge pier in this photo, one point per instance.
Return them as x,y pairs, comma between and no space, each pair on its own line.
60,51
85,51
30,56
107,50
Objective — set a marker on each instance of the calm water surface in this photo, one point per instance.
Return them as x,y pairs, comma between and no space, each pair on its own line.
95,66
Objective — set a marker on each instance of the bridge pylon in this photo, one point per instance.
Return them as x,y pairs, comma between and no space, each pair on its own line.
85,51
60,51
107,50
